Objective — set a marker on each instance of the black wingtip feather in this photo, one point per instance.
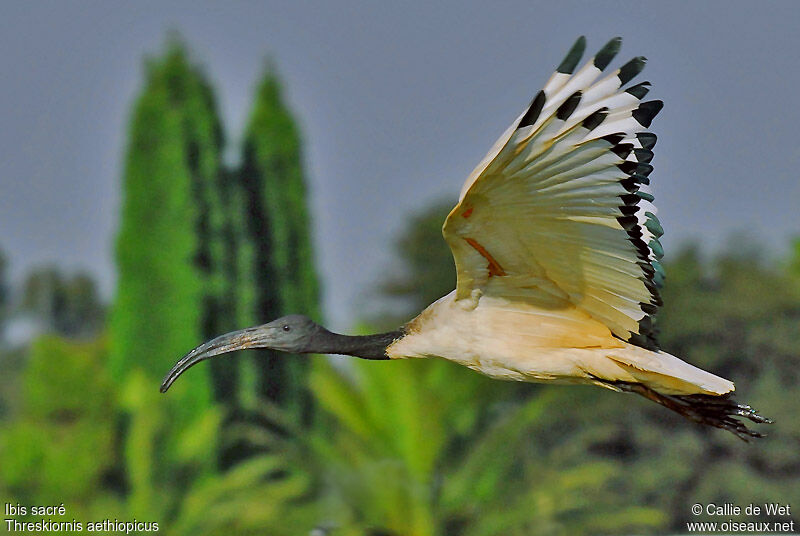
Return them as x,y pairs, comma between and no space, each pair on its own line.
644,156
646,111
628,222
631,69
607,53
567,66
566,109
656,298
622,150
653,225
643,169
646,268
647,139
657,248
532,114
639,90
595,119
636,168
630,185
614,139
652,273
641,248
648,308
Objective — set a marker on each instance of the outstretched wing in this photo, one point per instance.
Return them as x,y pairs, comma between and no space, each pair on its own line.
558,214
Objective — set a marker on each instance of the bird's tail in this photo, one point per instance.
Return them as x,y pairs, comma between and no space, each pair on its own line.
721,411
696,394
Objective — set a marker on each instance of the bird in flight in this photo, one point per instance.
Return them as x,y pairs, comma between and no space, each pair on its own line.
556,247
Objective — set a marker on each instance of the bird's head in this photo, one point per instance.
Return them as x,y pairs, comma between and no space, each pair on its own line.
292,333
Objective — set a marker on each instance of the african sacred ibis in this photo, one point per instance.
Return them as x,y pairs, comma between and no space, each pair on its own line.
557,254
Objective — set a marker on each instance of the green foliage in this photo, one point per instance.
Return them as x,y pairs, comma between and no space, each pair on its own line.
277,262
65,446
249,499
793,267
173,478
66,305
202,250
10,362
273,172
427,447
738,317
164,255
60,446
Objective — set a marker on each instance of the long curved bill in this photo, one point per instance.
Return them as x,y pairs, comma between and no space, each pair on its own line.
230,342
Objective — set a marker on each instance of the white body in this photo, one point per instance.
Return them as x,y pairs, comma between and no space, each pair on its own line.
513,341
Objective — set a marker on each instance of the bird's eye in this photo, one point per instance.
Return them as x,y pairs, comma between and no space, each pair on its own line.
286,328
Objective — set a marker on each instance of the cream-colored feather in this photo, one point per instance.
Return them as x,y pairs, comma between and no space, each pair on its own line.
514,340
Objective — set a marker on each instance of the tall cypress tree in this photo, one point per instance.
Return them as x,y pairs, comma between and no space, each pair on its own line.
277,265
202,250
214,190
169,285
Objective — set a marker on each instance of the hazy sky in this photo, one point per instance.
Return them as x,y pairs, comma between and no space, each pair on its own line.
398,101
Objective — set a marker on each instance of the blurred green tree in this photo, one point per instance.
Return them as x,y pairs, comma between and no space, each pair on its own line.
278,275
11,360
169,288
65,305
213,189
203,249
59,446
794,260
